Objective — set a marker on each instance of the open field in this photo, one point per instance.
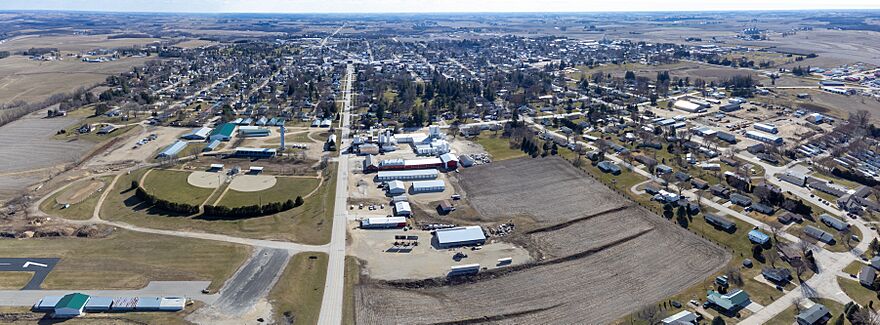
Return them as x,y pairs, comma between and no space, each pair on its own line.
32,81
498,147
546,190
77,211
286,188
128,260
588,275
73,43
14,280
838,106
308,224
172,185
297,295
32,134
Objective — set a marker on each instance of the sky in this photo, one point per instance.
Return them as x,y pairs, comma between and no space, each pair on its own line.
421,6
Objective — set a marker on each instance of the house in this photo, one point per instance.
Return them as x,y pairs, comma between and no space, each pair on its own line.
720,222
663,169
833,222
776,275
740,200
71,305
789,254
762,208
819,234
608,167
731,302
720,191
682,176
758,237
794,178
790,217
815,315
682,317
875,262
867,275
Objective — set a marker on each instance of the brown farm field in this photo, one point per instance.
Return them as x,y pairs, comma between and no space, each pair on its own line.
604,262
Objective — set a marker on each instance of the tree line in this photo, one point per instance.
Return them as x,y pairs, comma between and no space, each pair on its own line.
250,211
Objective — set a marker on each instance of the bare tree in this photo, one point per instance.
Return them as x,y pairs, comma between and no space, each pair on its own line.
771,256
866,316
734,276
775,229
650,314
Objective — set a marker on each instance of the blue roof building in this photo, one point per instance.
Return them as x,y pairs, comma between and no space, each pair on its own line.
172,150
758,237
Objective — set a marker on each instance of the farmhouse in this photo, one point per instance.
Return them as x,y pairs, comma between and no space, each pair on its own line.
380,223
172,150
460,236
222,132
197,134
428,186
407,175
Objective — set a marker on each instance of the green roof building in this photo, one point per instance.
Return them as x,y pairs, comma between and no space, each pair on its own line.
222,132
730,302
71,305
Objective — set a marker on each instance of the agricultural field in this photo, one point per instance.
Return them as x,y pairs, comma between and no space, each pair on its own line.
588,274
546,190
128,260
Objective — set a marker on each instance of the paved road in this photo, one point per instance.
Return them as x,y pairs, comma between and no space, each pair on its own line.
189,289
252,281
40,266
332,302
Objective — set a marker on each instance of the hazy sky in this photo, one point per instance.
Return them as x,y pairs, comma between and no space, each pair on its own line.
307,6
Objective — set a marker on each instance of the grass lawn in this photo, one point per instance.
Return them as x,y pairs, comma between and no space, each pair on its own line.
856,291
172,185
352,278
14,280
129,260
787,317
498,147
854,267
79,211
300,289
837,180
307,224
300,137
286,188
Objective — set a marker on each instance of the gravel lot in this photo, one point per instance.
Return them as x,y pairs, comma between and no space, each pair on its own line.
605,257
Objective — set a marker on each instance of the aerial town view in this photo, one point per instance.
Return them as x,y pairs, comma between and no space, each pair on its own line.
439,162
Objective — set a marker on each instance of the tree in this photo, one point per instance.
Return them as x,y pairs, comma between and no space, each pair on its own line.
650,314
718,321
734,276
772,256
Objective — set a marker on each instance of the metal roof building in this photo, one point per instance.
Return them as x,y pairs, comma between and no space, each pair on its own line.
222,132
172,150
99,304
428,186
255,152
402,208
460,236
833,222
389,222
197,134
407,175
758,237
253,131
764,137
818,234
71,305
396,187
817,314
212,146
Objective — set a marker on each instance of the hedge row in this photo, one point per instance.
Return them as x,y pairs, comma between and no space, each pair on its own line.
250,211
175,207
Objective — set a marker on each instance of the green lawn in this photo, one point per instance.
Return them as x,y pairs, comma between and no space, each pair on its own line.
307,224
299,291
286,188
498,147
352,278
129,260
172,185
854,267
861,295
78,211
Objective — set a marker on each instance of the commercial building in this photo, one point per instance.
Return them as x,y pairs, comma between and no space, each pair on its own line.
688,106
252,131
255,152
383,223
460,236
396,188
222,132
172,150
765,127
407,175
764,137
730,107
428,186
197,134
450,160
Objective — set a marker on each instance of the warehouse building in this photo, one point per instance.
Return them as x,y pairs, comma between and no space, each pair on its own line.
729,107
255,152
397,164
428,186
726,137
402,208
71,305
765,127
460,236
197,134
383,223
407,175
396,188
211,146
172,150
222,132
253,132
689,106
450,160
764,137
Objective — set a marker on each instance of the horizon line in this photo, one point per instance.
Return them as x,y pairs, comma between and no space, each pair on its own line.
433,12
